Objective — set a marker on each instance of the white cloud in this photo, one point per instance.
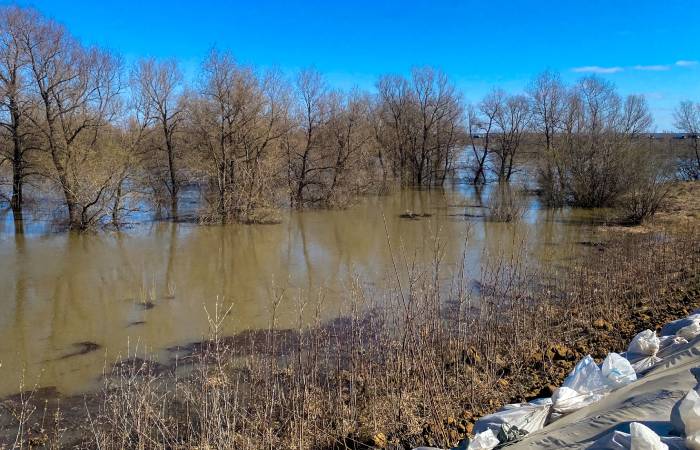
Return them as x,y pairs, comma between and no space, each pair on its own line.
686,63
653,68
597,69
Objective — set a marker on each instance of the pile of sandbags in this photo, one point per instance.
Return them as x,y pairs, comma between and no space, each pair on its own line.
588,382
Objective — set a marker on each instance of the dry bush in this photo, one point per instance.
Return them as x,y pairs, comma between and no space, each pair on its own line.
593,149
506,204
644,200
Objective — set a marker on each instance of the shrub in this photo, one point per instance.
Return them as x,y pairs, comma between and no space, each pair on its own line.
505,204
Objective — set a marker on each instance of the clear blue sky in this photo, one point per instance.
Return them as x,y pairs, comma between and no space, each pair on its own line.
643,46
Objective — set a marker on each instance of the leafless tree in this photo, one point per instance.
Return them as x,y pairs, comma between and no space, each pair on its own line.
480,121
595,149
160,84
129,156
394,115
239,119
15,101
347,145
422,125
511,118
548,100
77,90
687,119
304,145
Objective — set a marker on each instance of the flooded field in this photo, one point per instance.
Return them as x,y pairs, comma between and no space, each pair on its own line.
73,303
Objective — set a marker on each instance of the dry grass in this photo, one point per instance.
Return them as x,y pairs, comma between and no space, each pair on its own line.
680,209
683,204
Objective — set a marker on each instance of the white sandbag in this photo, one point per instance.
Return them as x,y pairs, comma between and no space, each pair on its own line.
617,440
644,438
584,385
644,343
528,417
585,377
689,332
672,328
484,441
618,371
687,420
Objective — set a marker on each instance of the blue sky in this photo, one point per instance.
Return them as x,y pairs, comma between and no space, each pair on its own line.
643,46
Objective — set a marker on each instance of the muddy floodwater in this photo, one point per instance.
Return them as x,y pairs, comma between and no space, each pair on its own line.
71,304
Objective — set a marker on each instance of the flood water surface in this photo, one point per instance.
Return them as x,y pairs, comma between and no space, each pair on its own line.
71,304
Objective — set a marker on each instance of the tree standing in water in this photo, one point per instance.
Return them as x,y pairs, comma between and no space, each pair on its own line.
160,87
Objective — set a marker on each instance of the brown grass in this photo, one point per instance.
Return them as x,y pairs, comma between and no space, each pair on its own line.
683,205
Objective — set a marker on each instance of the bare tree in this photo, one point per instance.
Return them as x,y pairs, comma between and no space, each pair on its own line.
596,144
511,117
129,155
480,120
304,158
548,101
349,134
434,96
160,84
422,125
687,119
395,115
14,98
238,119
77,89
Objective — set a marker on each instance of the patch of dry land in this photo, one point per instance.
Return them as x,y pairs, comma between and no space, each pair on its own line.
682,205
680,209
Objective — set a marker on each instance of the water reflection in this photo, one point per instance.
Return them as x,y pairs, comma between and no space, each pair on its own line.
149,285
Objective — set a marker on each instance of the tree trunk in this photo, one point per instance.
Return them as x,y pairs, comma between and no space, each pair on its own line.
17,177
174,183
17,161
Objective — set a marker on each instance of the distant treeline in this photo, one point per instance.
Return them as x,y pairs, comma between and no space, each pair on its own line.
105,135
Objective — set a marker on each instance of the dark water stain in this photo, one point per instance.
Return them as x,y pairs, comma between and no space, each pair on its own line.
81,348
414,216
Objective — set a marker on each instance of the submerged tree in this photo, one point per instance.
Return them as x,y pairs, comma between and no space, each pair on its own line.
305,159
77,90
159,84
511,117
423,125
547,99
481,121
15,100
237,121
